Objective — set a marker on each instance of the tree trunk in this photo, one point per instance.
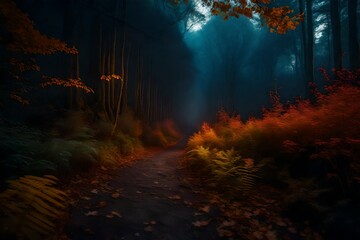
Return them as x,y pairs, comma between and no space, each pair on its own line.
354,51
336,33
303,43
310,41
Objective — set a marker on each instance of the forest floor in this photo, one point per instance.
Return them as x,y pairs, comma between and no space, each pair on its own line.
155,198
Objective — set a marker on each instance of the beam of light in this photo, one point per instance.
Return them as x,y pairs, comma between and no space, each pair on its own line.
198,25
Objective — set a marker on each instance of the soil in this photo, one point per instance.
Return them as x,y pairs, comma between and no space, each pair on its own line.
147,200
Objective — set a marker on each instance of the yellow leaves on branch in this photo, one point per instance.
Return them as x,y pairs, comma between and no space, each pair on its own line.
75,83
17,98
25,37
108,78
278,19
23,66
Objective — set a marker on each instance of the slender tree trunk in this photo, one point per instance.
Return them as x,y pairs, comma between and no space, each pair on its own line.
304,43
69,22
78,98
148,99
103,84
354,50
138,85
109,106
126,81
329,37
336,33
124,75
310,40
100,65
112,71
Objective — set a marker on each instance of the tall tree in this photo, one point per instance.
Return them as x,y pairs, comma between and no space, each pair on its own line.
310,41
303,41
336,33
354,51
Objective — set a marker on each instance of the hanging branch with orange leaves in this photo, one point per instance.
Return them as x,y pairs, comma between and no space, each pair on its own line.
278,19
21,36
25,38
73,83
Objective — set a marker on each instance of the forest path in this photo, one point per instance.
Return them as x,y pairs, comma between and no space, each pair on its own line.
151,199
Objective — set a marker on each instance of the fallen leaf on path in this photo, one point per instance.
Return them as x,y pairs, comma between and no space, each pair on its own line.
205,209
152,222
86,198
247,215
175,197
101,204
113,214
149,229
92,213
138,192
271,235
89,231
103,168
225,232
188,203
258,235
201,223
257,212
95,191
156,182
227,223
115,195
280,223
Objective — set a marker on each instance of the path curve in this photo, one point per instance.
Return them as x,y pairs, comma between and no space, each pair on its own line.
148,200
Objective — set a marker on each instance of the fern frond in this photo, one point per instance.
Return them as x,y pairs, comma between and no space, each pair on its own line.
32,205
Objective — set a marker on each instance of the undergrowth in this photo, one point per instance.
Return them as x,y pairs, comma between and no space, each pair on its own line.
31,207
293,144
75,143
224,169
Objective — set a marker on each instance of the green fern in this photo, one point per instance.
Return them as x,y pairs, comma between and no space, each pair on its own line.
31,205
199,152
224,169
229,168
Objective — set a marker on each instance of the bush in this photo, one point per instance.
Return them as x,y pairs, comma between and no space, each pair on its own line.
154,136
169,130
126,143
129,125
307,139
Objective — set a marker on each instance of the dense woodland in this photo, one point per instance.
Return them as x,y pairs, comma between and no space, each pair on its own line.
264,93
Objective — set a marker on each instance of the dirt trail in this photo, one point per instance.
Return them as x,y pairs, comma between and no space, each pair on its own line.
147,200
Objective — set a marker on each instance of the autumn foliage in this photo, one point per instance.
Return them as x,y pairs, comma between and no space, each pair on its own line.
278,19
25,37
326,131
20,37
73,83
